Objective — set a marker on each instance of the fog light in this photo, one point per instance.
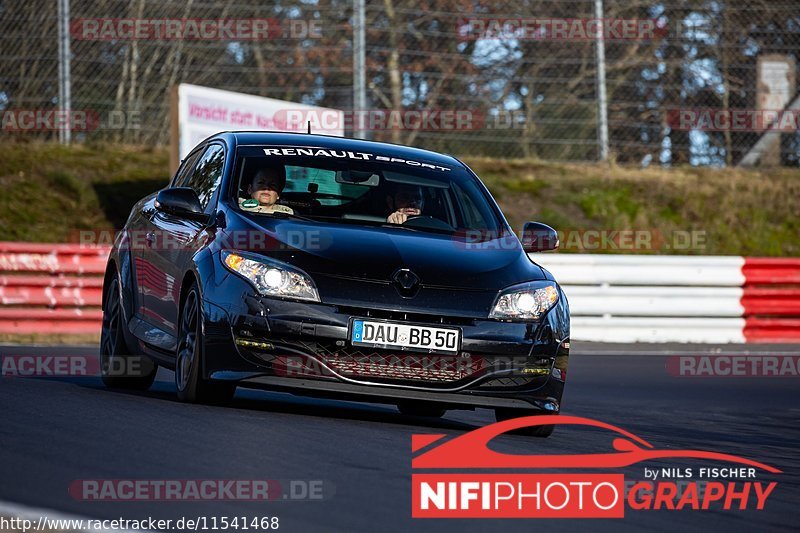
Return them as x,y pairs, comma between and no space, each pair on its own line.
550,406
259,345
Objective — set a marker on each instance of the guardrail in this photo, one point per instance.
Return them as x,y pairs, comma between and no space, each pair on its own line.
647,298
51,288
57,288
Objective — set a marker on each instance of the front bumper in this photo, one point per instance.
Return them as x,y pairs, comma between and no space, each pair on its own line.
304,348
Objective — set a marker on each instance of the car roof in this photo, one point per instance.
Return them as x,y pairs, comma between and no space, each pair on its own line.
245,138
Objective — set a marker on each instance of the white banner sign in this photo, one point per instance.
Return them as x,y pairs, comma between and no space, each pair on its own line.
203,111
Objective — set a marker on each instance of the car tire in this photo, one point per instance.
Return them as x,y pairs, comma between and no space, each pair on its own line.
189,381
120,368
426,409
502,415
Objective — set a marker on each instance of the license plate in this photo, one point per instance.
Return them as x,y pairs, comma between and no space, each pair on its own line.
394,335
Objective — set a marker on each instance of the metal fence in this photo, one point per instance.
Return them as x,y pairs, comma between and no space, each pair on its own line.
528,72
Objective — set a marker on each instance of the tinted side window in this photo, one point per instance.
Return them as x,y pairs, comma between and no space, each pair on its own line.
207,174
185,170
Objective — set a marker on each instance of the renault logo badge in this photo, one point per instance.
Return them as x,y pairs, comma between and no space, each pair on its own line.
406,279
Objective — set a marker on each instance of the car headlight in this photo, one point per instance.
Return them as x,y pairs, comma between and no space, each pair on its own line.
527,301
272,278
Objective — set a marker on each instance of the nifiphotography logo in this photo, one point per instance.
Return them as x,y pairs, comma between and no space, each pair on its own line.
460,486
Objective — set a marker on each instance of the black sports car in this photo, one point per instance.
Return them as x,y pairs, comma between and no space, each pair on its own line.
334,267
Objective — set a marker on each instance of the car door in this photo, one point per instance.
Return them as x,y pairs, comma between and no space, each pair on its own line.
172,241
147,281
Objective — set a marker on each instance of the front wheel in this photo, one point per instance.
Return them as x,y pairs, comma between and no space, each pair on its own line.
191,385
502,415
119,368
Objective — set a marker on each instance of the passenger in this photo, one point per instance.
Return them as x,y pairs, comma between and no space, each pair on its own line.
264,191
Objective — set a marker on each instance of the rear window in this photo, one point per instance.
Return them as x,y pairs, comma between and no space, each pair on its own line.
298,180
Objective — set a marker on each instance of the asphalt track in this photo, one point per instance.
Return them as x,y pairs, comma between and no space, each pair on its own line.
55,431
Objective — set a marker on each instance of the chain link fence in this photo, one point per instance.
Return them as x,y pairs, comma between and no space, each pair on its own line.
677,72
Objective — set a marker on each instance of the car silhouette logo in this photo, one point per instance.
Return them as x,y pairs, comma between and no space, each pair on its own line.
471,450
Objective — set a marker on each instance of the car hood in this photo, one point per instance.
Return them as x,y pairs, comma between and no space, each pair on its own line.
376,253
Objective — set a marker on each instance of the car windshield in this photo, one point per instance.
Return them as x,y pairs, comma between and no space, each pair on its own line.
361,188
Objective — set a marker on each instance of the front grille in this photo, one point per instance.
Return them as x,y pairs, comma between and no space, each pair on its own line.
328,361
386,364
407,317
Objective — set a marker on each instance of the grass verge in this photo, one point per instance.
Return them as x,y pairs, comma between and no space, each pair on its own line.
51,192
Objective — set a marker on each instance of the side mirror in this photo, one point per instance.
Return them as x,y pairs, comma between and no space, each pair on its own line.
538,237
180,201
